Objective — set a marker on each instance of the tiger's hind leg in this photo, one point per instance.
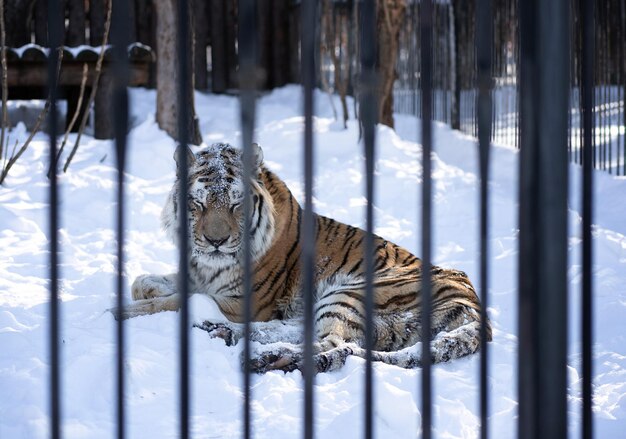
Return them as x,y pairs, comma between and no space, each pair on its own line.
339,325
454,302
446,346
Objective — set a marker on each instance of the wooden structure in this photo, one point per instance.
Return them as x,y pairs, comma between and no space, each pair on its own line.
28,76
84,24
214,52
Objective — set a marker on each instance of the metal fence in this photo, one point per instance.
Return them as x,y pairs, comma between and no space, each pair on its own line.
455,95
543,132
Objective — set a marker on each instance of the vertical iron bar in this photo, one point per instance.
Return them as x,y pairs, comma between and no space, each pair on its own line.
248,35
308,19
518,74
426,12
572,69
623,83
607,86
602,84
618,83
120,38
587,14
543,220
580,108
183,268
484,43
54,38
369,113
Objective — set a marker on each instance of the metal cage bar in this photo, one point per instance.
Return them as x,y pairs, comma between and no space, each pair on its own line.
426,15
183,224
120,40
368,109
308,16
484,108
587,14
247,82
543,219
54,30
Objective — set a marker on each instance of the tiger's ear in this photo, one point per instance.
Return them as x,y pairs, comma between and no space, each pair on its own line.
258,154
191,158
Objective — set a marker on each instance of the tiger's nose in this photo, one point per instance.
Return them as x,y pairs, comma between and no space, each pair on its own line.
216,242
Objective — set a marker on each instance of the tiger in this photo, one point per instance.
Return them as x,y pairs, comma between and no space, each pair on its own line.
216,231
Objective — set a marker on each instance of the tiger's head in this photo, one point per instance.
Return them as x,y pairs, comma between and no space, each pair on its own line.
215,206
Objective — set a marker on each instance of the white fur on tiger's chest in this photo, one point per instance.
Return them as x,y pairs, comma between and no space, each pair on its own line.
216,281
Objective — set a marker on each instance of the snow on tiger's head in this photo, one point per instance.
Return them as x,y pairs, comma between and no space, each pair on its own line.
215,205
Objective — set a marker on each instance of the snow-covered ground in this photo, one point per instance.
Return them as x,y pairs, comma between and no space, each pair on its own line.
88,269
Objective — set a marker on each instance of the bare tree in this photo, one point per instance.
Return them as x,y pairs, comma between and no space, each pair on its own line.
167,73
390,19
17,153
94,88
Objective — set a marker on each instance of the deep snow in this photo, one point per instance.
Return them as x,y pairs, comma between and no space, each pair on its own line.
88,269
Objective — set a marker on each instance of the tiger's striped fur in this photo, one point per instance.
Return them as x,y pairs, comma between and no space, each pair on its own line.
216,228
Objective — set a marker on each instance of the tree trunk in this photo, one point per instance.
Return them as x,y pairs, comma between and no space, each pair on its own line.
390,19
167,73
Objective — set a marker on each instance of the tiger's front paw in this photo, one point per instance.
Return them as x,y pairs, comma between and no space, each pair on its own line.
149,286
219,330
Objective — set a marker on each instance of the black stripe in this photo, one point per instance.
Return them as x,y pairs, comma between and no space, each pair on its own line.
342,318
217,273
398,298
344,261
287,258
447,288
340,304
232,285
351,232
410,258
382,262
272,292
395,282
356,267
259,211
